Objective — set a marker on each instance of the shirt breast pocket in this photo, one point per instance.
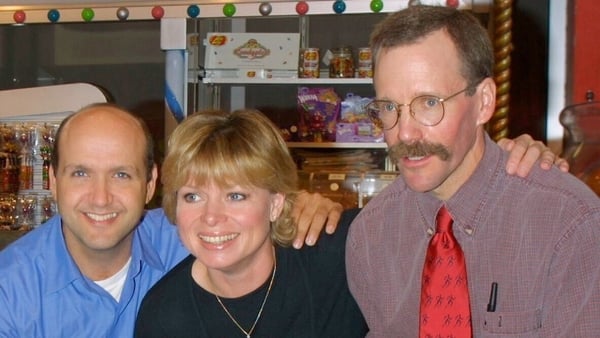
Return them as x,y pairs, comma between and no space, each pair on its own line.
513,322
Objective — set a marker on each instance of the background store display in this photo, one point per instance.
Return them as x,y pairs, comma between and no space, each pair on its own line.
346,160
353,189
25,152
272,55
308,65
325,117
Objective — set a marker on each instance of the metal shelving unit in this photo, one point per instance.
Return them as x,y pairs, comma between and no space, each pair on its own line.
232,91
290,81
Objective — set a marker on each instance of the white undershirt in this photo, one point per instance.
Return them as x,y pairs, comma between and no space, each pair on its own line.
114,284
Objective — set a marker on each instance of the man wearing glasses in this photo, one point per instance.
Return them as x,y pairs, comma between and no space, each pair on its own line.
426,109
517,256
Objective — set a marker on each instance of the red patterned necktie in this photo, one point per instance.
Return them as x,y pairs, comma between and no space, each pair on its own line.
445,310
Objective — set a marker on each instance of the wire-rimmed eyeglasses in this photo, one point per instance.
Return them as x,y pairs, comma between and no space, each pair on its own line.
428,110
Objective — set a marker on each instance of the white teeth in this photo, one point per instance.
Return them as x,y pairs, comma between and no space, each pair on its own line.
218,239
415,158
101,218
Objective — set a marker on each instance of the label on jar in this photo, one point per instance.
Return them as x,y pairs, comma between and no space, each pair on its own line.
365,62
308,66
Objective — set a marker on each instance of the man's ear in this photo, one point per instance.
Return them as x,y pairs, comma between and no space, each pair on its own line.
486,91
151,185
52,181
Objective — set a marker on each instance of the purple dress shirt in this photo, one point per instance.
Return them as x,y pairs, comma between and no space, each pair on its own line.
537,237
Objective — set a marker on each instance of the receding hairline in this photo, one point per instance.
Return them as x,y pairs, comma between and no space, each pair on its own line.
109,111
105,109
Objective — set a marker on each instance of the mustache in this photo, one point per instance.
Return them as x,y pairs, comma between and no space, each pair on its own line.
401,150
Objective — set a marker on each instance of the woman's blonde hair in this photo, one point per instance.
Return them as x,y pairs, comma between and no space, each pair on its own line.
239,148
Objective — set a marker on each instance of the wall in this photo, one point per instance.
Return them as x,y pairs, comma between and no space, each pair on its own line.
584,60
557,56
529,69
574,61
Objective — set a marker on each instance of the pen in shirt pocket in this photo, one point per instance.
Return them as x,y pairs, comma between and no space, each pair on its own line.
491,307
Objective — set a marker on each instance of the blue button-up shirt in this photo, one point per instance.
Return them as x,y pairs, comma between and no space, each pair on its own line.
43,293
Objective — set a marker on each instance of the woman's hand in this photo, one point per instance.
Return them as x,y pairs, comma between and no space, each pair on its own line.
312,212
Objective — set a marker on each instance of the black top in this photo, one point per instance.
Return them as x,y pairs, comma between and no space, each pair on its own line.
309,298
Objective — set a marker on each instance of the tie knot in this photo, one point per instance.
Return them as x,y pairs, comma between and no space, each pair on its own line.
444,221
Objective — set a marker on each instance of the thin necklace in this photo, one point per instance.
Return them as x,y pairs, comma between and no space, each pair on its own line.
249,332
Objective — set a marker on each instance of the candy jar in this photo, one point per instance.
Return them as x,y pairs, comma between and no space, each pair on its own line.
341,64
581,146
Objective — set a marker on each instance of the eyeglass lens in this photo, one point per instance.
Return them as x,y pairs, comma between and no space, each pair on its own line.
427,110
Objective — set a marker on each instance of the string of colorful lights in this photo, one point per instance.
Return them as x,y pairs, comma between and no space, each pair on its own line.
103,12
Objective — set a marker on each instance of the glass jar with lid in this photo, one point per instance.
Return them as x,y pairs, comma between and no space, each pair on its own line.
341,64
581,146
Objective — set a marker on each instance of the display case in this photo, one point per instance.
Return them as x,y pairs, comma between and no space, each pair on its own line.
334,162
347,169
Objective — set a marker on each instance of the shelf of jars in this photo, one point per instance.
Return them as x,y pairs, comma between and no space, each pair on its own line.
281,80
268,77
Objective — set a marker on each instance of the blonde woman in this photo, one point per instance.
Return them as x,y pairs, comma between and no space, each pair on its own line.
229,186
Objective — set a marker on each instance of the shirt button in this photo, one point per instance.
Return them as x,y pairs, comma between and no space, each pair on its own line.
430,231
469,230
